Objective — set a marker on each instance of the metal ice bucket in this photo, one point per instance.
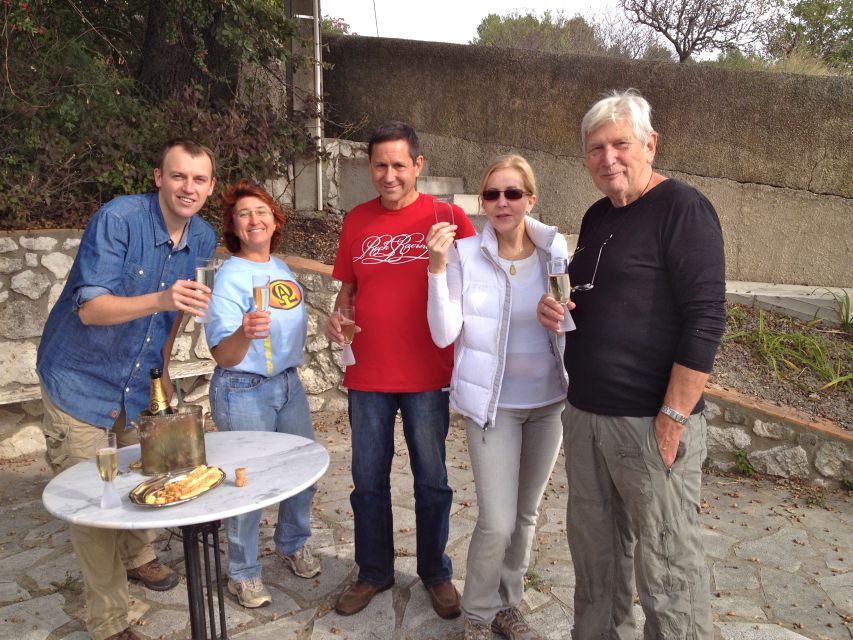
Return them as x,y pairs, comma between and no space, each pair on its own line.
173,443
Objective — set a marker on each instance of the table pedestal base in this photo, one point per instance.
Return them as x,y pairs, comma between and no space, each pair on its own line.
204,536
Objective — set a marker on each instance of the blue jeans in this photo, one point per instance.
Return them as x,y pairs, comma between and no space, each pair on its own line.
250,402
425,424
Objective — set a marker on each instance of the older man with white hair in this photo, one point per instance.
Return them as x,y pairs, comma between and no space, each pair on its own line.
648,302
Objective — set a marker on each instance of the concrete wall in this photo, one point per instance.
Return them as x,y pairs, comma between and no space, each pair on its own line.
771,151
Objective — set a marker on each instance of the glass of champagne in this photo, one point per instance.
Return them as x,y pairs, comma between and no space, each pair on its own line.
558,279
106,458
205,273
443,208
346,318
261,295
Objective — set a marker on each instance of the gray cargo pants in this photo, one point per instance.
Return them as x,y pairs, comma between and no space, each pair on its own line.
627,514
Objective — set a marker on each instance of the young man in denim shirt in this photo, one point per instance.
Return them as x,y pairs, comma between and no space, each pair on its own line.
117,317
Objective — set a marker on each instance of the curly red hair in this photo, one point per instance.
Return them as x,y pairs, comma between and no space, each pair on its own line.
248,189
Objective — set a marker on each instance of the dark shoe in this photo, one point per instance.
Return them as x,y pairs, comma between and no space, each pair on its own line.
154,575
445,600
357,596
127,634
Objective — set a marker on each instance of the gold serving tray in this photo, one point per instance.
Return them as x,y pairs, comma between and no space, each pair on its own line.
147,487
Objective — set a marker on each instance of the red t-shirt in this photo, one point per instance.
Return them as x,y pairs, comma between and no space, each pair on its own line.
384,254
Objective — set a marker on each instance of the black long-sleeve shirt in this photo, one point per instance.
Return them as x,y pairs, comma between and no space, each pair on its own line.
658,299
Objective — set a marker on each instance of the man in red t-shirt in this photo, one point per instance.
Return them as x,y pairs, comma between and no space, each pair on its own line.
382,265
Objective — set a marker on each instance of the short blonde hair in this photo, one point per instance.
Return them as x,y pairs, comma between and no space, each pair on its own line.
510,161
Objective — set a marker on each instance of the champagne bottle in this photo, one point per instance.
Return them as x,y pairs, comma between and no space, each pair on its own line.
158,406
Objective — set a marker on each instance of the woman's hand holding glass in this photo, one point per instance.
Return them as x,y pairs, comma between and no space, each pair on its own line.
257,324
439,239
551,313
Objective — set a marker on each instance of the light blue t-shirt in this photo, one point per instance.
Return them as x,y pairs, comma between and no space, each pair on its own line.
232,297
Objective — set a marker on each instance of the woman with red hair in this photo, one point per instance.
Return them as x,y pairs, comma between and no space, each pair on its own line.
255,385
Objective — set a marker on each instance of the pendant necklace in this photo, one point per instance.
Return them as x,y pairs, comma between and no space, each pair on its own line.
512,269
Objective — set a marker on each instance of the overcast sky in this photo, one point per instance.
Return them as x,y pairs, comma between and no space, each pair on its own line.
441,20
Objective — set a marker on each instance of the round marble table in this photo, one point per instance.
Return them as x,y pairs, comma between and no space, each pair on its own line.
277,466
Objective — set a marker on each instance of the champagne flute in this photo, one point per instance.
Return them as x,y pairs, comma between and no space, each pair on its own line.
106,459
443,208
205,273
558,280
346,318
261,295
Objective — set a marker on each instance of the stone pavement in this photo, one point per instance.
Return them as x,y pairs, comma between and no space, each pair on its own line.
781,562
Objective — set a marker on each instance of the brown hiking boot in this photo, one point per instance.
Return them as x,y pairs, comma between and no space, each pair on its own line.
154,575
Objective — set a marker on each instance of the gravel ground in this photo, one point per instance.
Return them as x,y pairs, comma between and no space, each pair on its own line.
738,368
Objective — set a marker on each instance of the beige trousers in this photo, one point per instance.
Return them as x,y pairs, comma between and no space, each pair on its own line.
629,516
104,554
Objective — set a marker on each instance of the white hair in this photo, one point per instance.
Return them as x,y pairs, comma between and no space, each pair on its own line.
620,105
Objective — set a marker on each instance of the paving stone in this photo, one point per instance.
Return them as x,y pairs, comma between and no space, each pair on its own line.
163,623
551,621
736,606
840,590
717,544
784,549
11,592
58,571
33,619
746,631
285,628
794,600
376,621
420,621
176,597
534,599
732,577
23,561
55,530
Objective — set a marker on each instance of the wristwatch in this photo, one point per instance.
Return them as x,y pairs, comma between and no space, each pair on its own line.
672,413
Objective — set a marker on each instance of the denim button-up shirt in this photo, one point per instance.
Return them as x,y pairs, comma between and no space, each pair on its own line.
92,372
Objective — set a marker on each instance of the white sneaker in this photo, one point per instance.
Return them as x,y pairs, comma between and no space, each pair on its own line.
250,593
303,563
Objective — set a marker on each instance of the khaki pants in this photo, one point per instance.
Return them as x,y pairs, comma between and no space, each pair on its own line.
628,515
104,554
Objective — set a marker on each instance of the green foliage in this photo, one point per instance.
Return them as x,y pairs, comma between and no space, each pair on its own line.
844,308
70,583
552,32
847,484
742,463
822,29
555,33
816,498
80,126
790,352
798,61
329,24
532,580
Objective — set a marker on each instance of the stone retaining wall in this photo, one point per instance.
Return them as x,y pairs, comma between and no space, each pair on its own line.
33,268
747,433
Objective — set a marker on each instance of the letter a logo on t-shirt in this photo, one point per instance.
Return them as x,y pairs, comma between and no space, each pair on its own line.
284,294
